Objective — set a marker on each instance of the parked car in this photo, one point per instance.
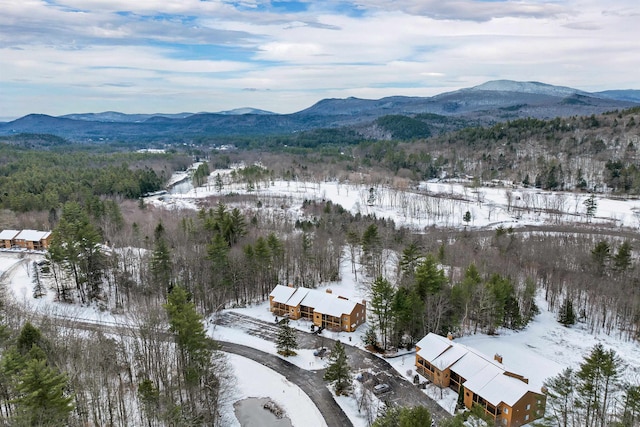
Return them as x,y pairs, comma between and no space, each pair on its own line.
381,388
320,352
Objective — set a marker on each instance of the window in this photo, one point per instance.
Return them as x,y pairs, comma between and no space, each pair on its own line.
526,417
528,407
506,410
504,421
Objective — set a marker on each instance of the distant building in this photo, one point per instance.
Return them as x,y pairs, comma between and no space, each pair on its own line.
7,237
32,240
322,308
485,381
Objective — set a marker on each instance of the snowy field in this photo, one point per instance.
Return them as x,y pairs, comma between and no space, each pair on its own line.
543,349
436,204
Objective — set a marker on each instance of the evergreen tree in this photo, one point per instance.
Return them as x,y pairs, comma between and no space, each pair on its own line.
598,375
410,258
338,371
630,415
591,206
193,344
382,294
286,342
560,399
29,336
567,315
161,265
600,255
218,183
467,217
42,399
395,416
370,338
622,258
429,279
372,250
75,245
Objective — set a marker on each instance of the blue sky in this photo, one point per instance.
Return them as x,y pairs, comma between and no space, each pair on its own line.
143,56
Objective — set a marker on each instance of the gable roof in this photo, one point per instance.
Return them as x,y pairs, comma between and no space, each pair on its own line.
483,375
8,234
32,235
281,293
323,302
335,306
298,296
433,346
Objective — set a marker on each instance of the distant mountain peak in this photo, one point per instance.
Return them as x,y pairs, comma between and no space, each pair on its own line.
537,88
245,110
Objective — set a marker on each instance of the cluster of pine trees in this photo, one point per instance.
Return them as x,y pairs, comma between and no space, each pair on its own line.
596,394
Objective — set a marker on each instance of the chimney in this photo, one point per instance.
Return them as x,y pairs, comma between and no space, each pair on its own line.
450,336
328,291
290,285
498,358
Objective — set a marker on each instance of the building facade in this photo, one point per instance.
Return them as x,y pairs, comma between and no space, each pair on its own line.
324,309
484,381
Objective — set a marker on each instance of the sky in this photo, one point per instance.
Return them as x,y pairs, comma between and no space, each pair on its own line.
147,56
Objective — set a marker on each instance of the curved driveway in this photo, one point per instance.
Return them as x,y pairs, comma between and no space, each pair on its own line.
402,393
310,382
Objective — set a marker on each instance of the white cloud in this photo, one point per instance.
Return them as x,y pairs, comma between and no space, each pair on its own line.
109,50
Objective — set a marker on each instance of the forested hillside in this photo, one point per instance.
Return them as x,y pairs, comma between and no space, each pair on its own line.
168,269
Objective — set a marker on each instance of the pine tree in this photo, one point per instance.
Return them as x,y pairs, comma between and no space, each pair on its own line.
193,344
286,342
591,206
467,217
370,338
598,375
42,399
372,250
567,315
622,258
338,371
429,279
161,265
395,416
218,183
560,399
382,294
630,415
600,256
75,246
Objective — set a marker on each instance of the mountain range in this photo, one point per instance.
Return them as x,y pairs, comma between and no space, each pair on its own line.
488,103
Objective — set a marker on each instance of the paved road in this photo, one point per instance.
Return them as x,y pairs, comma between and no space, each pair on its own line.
310,382
402,393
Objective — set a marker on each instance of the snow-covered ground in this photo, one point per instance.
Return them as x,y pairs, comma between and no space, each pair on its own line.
439,204
541,350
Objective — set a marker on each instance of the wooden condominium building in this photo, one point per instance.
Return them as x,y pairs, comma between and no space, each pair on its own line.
485,381
324,309
32,240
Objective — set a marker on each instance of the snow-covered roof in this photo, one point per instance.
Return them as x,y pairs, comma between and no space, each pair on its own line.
281,293
433,346
322,302
496,387
484,376
449,357
8,234
32,235
471,363
313,298
334,306
298,296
